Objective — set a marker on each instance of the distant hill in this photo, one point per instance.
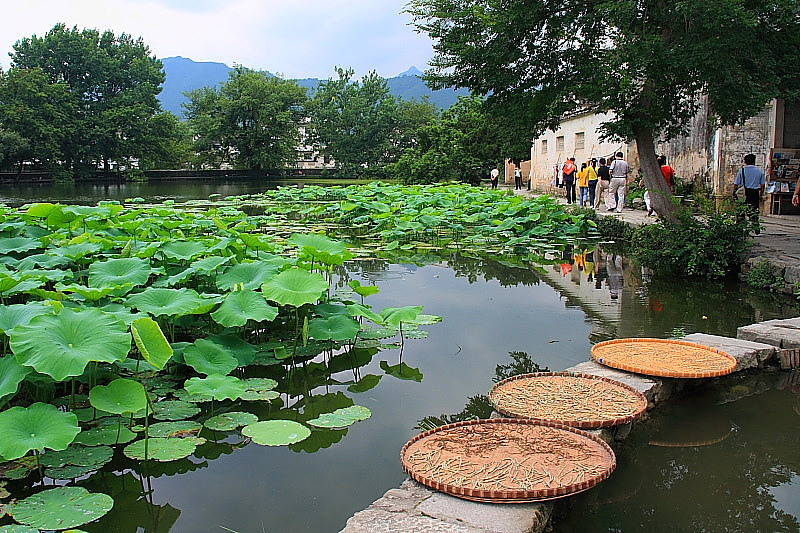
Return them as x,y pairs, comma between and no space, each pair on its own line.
184,74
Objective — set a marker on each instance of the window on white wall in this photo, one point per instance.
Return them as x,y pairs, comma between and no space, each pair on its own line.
580,140
560,143
544,146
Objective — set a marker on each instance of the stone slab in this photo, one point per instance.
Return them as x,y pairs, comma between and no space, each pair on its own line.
379,521
649,386
792,276
748,354
782,334
497,518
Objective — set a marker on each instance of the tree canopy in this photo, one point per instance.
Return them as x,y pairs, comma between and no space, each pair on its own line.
649,62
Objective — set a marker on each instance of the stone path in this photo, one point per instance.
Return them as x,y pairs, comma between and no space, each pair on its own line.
415,509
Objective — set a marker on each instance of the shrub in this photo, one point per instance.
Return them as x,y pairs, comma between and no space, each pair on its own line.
763,276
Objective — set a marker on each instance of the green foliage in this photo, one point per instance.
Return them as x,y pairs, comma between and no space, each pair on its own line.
60,508
35,428
764,276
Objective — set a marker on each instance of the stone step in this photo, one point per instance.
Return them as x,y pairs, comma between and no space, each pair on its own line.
652,387
748,354
782,334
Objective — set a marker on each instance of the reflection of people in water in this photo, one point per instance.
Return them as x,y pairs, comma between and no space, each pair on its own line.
615,279
589,265
566,261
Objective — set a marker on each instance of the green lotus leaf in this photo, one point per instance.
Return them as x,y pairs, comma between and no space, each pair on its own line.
119,397
105,436
92,294
174,410
70,471
259,396
95,456
378,333
152,343
321,248
17,528
14,285
363,290
37,427
62,345
230,421
60,508
11,375
341,417
182,428
115,272
168,302
162,449
394,316
415,333
76,251
357,310
366,383
336,328
40,210
259,384
121,313
19,468
175,279
241,306
255,241
242,350
184,250
209,264
251,275
424,320
328,309
209,358
276,432
42,260
18,245
216,386
295,287
402,371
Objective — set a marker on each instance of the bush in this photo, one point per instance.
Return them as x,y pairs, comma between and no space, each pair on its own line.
763,276
711,246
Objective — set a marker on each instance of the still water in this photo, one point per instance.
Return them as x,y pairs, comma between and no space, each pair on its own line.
501,320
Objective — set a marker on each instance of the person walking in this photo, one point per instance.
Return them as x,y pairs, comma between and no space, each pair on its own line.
602,183
752,178
517,179
593,182
494,177
587,177
569,173
618,185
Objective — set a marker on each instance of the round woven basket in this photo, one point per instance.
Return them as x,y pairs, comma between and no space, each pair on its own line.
569,398
508,460
664,358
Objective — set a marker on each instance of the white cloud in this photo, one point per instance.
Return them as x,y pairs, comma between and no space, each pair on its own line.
297,38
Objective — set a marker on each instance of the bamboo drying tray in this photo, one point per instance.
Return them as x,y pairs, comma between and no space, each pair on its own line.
508,460
664,358
574,399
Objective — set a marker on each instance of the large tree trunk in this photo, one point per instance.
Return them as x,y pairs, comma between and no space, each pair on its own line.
660,196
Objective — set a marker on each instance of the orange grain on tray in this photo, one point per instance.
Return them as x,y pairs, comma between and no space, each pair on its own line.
664,358
574,399
508,460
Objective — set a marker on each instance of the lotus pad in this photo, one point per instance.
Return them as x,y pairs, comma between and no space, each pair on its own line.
241,306
105,435
163,449
151,342
216,386
115,272
62,345
276,432
259,395
167,302
60,508
118,397
208,358
12,316
341,417
36,427
251,275
11,375
174,410
337,328
230,421
295,287
78,456
183,428
16,528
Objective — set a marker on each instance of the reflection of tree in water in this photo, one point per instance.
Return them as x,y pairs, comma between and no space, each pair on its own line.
479,406
507,274
722,487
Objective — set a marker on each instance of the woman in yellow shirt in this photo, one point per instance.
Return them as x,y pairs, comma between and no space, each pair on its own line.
587,174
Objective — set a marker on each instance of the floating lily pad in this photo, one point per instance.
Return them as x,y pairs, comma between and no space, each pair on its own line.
241,306
16,528
174,410
276,432
341,417
216,386
295,287
36,427
105,435
70,471
119,397
259,384
78,456
60,508
366,383
377,333
337,328
258,396
162,449
183,428
208,358
230,421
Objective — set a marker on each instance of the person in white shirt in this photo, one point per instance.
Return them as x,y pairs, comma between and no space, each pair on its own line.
495,176
618,186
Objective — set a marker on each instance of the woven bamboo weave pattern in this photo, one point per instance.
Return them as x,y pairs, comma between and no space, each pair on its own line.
578,400
507,460
663,357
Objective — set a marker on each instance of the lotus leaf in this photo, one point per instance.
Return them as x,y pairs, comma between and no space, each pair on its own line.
241,306
395,316
11,375
60,508
17,528
184,250
115,272
230,421
182,428
424,320
168,302
119,397
336,328
70,471
377,333
76,251
251,275
242,350
37,427
121,313
402,371
62,345
18,469
321,248
162,449
295,287
18,245
14,285
209,264
366,383
276,432
151,342
216,386
91,293
209,358
341,417
174,410
357,310
260,384
105,435
95,456
415,334
363,290
259,396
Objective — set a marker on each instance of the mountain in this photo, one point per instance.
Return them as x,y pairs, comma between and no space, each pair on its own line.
184,74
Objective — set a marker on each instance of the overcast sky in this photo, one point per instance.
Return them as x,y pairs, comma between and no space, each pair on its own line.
295,38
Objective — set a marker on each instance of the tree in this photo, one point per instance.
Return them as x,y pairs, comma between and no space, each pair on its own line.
169,145
252,120
354,122
14,149
114,81
649,62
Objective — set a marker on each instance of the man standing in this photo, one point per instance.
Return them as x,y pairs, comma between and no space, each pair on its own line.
603,183
495,176
619,171
517,179
752,178
570,172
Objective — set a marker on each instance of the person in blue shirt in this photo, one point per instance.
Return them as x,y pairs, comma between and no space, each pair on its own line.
752,178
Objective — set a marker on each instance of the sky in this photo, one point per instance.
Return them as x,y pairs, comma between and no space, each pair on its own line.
293,38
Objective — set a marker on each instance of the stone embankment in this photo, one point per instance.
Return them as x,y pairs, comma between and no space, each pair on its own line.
413,508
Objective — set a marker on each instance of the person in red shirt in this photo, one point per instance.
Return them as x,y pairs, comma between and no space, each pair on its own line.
668,172
570,172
